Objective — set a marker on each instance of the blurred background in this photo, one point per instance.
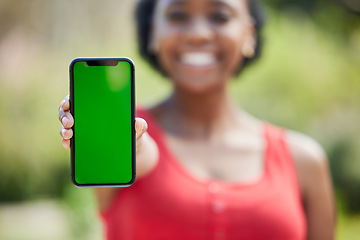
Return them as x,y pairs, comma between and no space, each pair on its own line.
308,79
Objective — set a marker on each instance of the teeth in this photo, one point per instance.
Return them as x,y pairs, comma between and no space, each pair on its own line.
198,59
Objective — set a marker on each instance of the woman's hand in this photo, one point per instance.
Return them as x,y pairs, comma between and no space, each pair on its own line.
67,122
146,148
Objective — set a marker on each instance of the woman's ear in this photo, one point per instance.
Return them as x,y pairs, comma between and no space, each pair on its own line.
249,44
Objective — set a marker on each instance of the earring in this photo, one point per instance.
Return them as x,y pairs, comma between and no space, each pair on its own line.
248,51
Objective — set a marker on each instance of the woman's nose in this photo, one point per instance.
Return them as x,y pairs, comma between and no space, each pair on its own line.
199,30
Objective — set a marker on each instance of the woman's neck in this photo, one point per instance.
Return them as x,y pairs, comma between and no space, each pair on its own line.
198,115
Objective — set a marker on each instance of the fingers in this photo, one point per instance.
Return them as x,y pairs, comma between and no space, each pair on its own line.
64,112
66,119
67,122
64,107
140,127
66,143
66,133
65,104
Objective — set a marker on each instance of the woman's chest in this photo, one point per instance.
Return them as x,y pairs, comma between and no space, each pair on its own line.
240,162
194,209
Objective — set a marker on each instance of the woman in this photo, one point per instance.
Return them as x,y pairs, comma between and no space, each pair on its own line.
207,169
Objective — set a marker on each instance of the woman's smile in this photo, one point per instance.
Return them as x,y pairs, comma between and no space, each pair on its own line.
198,59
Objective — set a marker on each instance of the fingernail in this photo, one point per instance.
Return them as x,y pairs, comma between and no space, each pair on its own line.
62,103
63,132
139,126
65,120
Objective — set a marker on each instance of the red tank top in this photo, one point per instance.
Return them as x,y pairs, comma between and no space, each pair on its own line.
169,203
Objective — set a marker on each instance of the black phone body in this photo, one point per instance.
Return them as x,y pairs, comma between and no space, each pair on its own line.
102,102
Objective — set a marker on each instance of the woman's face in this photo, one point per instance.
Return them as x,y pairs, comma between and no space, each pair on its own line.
201,43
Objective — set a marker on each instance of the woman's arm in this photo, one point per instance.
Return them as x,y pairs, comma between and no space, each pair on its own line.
146,150
317,190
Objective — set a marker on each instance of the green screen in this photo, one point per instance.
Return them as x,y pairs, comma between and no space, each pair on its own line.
102,108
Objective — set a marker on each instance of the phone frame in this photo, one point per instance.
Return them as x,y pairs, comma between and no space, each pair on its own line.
72,111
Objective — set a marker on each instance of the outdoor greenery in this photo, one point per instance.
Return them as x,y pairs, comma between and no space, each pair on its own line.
307,79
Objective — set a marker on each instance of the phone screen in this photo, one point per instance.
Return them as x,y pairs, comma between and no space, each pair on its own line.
102,103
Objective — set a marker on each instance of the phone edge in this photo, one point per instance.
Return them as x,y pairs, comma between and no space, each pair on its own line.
133,110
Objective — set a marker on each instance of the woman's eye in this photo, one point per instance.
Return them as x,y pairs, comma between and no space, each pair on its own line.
177,17
220,17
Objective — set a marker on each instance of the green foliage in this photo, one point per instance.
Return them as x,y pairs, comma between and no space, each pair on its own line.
31,159
82,211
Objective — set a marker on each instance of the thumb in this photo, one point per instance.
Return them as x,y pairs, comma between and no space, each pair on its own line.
140,127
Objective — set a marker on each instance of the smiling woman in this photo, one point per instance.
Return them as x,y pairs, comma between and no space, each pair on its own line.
201,44
206,169
144,17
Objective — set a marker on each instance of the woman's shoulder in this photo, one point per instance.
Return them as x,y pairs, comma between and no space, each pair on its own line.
304,147
309,158
315,181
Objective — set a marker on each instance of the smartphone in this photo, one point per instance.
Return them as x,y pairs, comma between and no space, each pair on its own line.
102,102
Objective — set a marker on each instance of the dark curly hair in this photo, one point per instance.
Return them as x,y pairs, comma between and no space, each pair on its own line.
143,18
